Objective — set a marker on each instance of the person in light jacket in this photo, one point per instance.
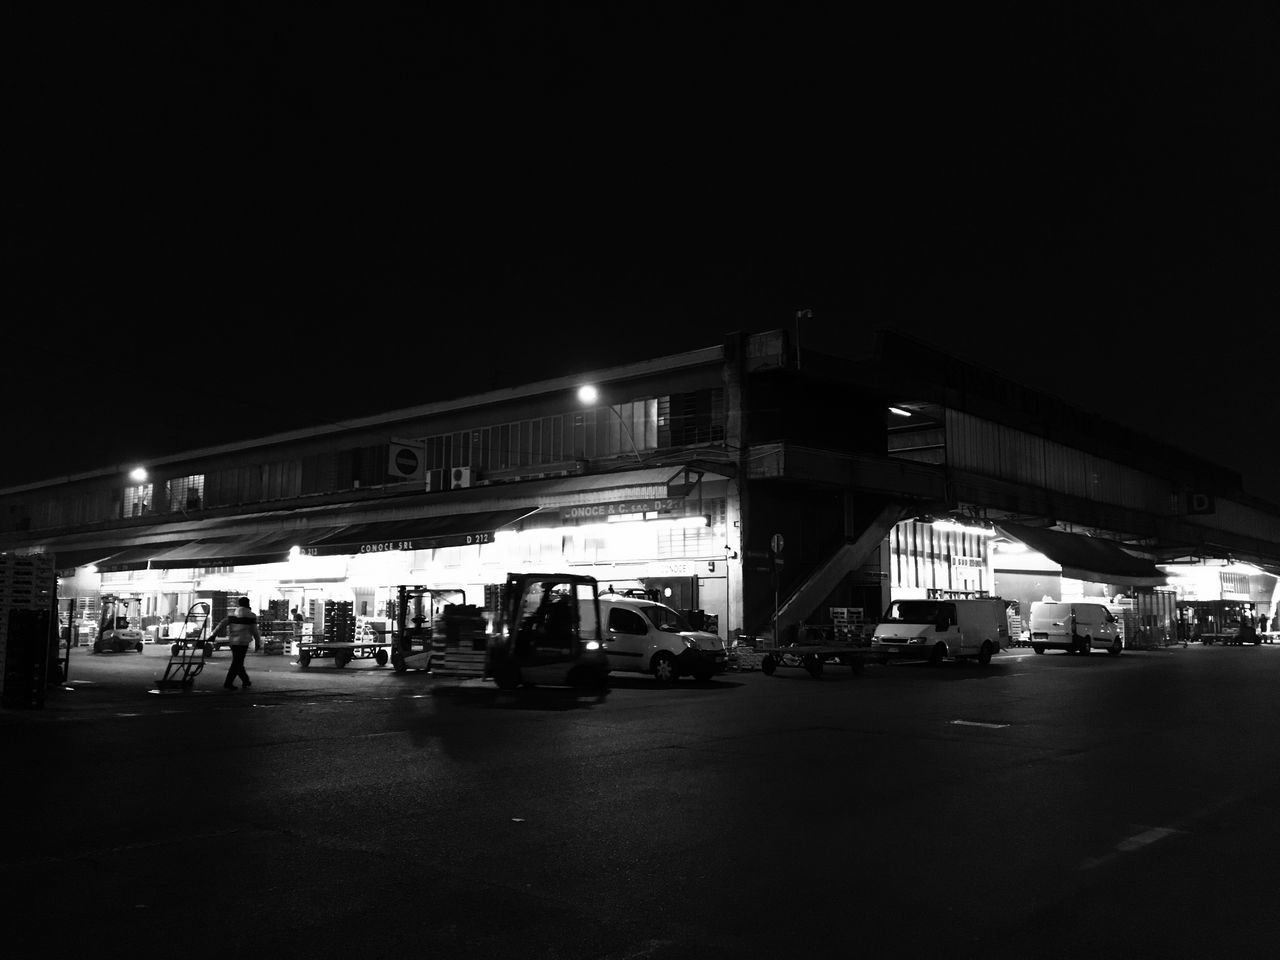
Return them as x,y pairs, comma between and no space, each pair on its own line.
242,628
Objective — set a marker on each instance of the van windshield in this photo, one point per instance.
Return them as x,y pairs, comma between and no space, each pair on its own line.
664,618
919,611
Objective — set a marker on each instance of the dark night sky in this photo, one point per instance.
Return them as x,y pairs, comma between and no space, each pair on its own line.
233,223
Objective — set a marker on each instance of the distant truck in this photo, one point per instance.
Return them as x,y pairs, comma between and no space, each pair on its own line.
937,630
1074,627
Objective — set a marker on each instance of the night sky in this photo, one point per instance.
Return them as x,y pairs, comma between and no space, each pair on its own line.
237,222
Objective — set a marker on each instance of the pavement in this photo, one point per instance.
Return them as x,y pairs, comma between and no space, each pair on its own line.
131,681
125,681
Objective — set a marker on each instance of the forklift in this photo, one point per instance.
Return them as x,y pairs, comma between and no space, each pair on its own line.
549,633
421,621
115,632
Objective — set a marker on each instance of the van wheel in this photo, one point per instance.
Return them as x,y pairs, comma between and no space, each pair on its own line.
984,655
1038,647
664,667
938,654
1115,647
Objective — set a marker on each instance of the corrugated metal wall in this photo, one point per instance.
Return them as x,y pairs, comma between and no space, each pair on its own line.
993,450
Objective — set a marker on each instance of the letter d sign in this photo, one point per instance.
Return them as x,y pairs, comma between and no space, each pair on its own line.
1199,503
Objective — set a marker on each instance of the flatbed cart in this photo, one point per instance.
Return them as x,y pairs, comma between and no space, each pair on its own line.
814,657
187,656
370,644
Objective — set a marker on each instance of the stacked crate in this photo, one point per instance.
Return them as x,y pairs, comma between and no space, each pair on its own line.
743,656
339,621
848,624
277,637
28,586
459,643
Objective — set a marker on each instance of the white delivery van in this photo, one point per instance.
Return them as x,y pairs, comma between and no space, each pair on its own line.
1074,627
642,636
938,630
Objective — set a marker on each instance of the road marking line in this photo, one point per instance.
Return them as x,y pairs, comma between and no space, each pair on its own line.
1130,844
1147,837
976,723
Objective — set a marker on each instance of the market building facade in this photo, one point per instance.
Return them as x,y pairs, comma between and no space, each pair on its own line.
762,490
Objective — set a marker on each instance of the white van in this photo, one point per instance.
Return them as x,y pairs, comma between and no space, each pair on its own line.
937,630
1074,627
642,636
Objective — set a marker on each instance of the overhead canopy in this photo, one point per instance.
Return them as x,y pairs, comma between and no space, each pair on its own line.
68,560
229,551
1088,558
135,558
419,533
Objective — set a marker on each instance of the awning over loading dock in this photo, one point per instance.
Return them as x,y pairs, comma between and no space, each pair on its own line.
1088,558
68,560
229,551
418,533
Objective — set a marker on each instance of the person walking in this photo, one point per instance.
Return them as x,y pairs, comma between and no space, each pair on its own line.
242,627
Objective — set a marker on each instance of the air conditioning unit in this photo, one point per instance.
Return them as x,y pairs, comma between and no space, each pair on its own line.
459,478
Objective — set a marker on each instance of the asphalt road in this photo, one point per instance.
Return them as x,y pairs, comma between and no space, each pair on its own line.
1051,806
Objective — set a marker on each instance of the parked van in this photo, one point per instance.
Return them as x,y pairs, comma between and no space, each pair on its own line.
1074,627
642,636
938,630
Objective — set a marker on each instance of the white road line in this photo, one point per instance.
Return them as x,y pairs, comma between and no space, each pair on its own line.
1130,844
1147,837
976,723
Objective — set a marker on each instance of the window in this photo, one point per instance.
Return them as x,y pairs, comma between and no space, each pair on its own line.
186,494
626,621
137,500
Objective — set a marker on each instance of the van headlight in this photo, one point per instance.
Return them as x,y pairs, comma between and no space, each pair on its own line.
690,643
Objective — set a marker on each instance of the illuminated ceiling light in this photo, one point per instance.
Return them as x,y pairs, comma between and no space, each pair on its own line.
964,528
587,394
693,522
138,474
900,412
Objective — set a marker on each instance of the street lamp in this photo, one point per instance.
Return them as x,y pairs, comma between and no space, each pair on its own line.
588,395
138,474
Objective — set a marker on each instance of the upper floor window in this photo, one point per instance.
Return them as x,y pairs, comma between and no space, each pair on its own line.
186,494
138,500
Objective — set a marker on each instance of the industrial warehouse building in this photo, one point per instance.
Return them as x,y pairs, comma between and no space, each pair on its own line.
764,491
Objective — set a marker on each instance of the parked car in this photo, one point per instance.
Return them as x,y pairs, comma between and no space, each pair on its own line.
643,636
